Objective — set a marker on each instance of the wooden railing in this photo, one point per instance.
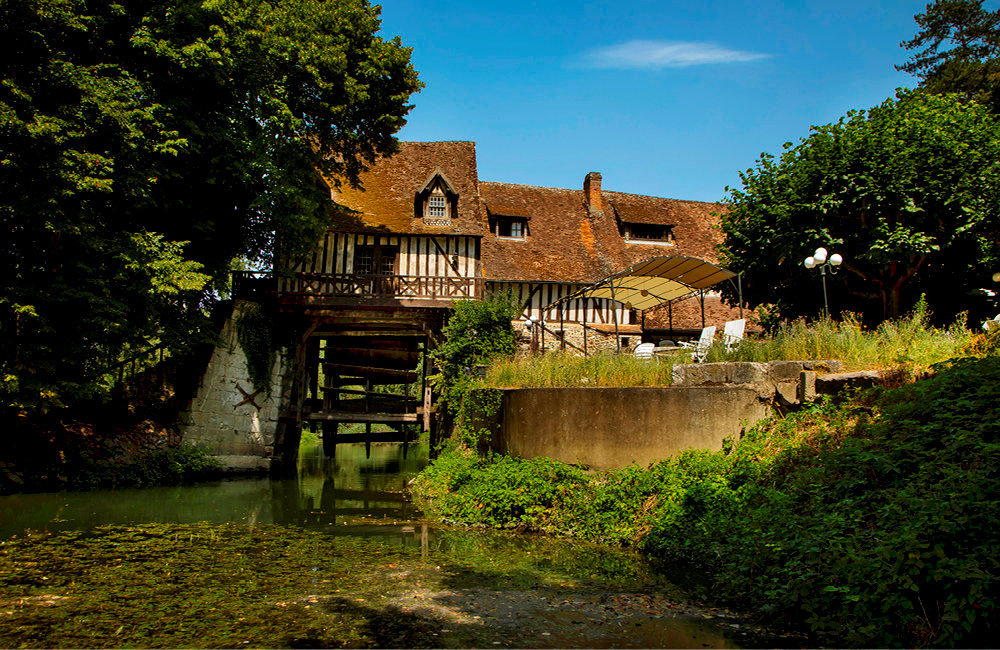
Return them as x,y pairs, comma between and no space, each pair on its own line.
305,286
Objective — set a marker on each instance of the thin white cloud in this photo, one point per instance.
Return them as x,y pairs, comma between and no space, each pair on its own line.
665,54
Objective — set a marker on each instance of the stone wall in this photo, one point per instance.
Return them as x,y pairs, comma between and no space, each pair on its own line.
228,416
608,428
599,337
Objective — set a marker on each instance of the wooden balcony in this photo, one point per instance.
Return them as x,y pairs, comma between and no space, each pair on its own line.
330,289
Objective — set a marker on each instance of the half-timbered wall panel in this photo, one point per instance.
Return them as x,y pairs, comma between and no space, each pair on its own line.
534,297
420,256
406,266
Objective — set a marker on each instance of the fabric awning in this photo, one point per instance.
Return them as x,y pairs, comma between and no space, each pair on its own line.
654,282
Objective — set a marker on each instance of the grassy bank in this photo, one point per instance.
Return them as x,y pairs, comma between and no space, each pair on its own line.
872,522
908,342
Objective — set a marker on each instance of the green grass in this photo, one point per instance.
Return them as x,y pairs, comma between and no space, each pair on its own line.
869,522
908,343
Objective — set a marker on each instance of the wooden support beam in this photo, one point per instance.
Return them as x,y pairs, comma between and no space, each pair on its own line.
369,372
375,436
365,418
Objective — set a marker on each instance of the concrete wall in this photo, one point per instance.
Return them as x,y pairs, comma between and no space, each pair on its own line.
613,427
240,433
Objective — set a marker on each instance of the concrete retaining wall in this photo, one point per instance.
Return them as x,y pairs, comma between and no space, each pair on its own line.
239,431
608,428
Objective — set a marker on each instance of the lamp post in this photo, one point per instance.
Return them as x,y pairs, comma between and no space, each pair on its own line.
533,324
823,261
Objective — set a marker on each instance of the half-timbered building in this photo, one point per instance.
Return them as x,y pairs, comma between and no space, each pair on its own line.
422,232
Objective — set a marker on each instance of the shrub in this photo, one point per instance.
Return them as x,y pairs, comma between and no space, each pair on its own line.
873,521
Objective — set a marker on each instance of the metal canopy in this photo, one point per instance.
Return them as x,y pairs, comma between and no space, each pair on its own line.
654,282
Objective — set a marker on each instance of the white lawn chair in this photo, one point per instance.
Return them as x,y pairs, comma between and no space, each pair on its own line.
699,350
992,324
732,333
644,351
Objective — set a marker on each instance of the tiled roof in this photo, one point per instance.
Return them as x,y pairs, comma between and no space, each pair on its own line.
387,201
565,241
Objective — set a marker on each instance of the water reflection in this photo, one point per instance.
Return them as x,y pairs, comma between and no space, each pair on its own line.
351,494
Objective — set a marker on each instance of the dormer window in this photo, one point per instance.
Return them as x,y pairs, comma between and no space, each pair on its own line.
648,233
437,206
511,227
436,203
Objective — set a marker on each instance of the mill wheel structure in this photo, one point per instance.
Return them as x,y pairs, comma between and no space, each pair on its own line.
359,375
367,389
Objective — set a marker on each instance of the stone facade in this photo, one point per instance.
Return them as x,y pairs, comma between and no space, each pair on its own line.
599,337
228,416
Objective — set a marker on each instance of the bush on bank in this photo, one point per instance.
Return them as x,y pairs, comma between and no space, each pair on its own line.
875,521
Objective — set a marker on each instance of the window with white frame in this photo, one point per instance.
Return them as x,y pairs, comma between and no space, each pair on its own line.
511,227
437,206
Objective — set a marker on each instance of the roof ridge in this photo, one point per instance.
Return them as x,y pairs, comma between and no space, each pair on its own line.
534,187
472,142
665,198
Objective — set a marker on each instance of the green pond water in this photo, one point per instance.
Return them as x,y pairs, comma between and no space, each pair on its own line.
360,497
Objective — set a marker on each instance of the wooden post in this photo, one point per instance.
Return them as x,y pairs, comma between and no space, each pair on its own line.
584,301
427,387
739,287
562,329
614,313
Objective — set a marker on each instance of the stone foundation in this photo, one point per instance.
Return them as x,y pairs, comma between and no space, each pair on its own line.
228,416
599,337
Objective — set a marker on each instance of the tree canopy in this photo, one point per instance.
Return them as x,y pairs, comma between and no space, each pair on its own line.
908,192
146,144
957,50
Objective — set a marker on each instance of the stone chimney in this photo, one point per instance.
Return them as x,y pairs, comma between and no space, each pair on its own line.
592,192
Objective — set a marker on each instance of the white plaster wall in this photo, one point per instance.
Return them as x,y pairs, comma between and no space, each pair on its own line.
220,417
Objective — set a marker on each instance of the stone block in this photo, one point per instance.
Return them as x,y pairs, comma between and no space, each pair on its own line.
785,370
824,365
833,384
746,372
243,463
702,374
807,387
786,393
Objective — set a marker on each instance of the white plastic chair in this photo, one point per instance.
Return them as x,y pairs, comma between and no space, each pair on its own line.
732,333
992,324
699,350
644,351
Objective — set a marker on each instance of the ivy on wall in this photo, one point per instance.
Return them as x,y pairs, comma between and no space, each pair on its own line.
256,336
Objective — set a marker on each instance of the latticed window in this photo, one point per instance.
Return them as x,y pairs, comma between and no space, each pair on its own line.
375,260
364,260
437,207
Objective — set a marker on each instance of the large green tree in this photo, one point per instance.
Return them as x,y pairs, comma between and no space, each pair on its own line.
908,192
957,50
146,144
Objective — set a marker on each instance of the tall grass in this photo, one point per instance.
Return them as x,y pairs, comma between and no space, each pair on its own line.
559,369
908,343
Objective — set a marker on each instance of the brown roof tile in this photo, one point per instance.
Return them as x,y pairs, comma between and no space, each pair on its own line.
565,241
386,202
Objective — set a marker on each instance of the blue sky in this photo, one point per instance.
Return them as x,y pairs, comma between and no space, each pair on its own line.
663,98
